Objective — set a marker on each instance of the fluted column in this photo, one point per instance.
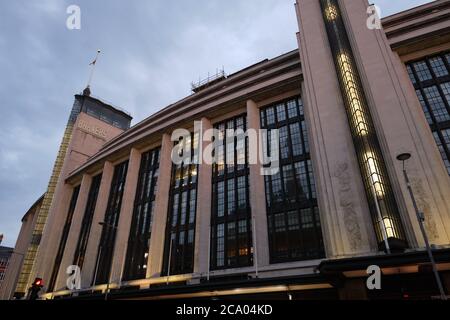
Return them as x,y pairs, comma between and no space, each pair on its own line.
257,195
87,273
74,232
155,258
203,216
126,214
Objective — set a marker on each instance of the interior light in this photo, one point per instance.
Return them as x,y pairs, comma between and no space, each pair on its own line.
355,100
331,12
374,173
389,227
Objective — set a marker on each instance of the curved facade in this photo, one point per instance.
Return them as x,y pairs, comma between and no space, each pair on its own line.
343,105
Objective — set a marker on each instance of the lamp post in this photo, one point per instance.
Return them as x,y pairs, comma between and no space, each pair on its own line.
421,218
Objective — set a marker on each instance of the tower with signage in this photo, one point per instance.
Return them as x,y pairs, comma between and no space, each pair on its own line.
91,124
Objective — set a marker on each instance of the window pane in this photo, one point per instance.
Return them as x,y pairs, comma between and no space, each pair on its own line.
297,147
292,109
434,97
105,254
438,66
281,112
436,104
179,254
270,116
284,142
231,246
300,104
440,143
411,74
292,189
305,136
422,71
424,107
289,183
446,90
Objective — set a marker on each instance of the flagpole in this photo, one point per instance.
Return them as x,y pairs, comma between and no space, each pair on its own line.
93,64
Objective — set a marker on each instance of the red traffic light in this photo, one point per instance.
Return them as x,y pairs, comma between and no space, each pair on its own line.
38,282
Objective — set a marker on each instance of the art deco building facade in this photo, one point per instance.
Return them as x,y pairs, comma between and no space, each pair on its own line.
346,104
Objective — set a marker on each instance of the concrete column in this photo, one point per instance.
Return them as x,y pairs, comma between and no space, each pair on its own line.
126,214
87,274
203,215
156,253
258,195
74,232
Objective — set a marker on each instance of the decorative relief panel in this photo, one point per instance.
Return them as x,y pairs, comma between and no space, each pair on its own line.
424,206
345,196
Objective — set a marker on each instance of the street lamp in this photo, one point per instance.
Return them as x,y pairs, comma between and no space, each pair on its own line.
421,218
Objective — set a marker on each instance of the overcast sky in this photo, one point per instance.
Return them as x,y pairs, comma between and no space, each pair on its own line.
152,50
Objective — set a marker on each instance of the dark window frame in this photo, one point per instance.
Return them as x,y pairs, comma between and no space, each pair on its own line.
180,237
301,202
86,224
64,237
106,246
231,174
140,231
437,127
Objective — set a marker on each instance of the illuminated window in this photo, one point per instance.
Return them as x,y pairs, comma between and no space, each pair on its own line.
374,172
292,213
180,229
64,237
141,223
347,72
331,12
389,227
231,234
106,247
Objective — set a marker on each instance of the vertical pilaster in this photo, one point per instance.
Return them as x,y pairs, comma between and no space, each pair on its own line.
155,258
347,228
257,194
74,231
398,118
203,215
87,274
126,215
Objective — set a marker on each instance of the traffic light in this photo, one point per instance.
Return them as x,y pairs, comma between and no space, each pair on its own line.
35,288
